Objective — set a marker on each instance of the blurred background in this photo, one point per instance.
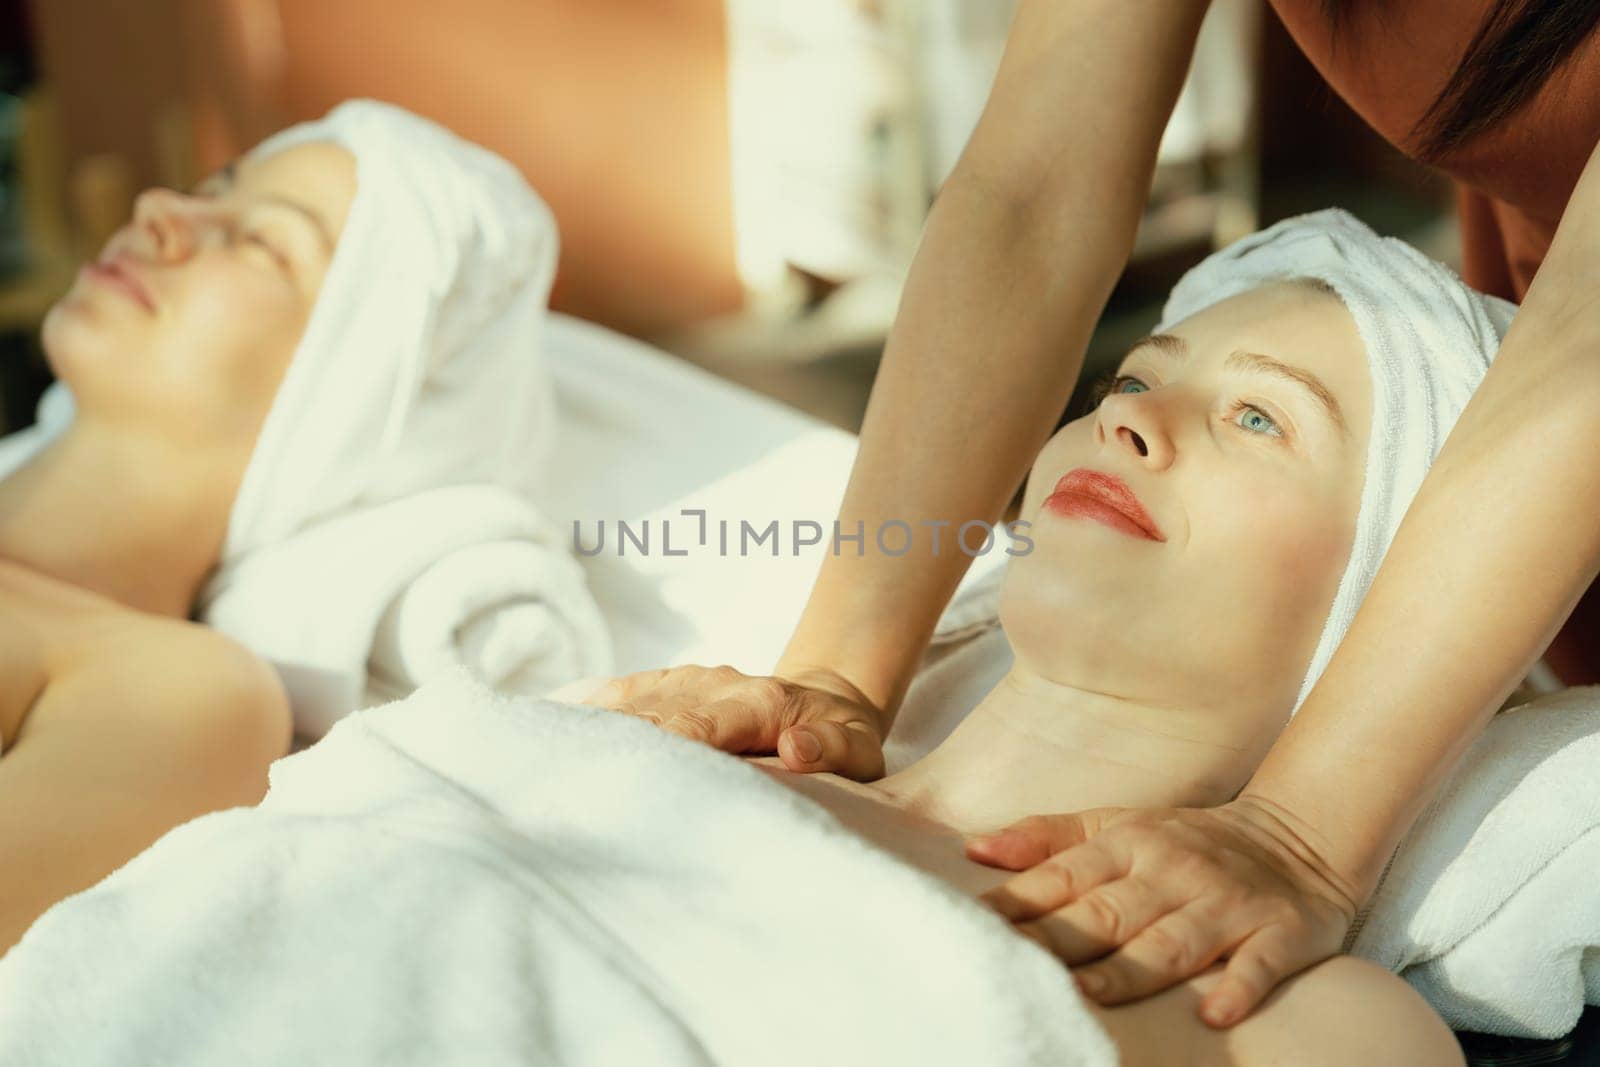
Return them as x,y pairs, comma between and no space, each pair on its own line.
741,182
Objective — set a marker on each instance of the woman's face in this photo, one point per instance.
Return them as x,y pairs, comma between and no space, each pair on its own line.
187,323
1243,435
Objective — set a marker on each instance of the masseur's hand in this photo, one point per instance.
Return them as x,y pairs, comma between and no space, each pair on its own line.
1157,895
814,719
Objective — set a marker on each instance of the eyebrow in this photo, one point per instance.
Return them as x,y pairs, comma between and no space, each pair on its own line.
1176,348
229,174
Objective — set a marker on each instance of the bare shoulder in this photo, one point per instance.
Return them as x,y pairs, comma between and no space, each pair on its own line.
96,656
42,621
1307,1020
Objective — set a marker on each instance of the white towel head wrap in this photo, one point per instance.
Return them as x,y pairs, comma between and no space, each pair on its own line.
1429,339
428,317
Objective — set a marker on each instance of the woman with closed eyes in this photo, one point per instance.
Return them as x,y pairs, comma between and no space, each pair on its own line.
119,717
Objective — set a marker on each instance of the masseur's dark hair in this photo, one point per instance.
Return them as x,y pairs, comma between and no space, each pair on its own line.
1517,47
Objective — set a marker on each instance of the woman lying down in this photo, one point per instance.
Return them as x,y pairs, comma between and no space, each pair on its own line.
238,369
457,877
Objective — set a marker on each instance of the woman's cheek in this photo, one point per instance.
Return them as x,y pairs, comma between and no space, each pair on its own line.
224,323
1303,539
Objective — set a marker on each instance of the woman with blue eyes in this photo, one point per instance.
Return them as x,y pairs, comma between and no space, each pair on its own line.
1188,537
1018,257
1253,418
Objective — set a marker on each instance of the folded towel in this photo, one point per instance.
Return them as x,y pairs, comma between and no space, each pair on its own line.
1429,338
458,878
515,613
1490,907
381,599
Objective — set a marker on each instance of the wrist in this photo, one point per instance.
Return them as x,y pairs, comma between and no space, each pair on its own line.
1303,846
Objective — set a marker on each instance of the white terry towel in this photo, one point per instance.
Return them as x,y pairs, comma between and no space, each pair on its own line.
420,369
1490,907
1429,338
420,365
368,605
461,878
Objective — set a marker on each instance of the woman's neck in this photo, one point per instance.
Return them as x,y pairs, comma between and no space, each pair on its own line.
132,518
1033,746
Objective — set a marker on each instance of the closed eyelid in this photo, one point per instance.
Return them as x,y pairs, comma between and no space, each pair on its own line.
306,222
226,181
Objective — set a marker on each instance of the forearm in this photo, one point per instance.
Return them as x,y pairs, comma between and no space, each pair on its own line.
1018,258
1498,545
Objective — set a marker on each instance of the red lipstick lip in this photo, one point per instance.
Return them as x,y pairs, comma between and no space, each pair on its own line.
1110,491
115,271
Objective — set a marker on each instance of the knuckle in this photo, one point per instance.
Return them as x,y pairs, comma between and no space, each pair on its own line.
1166,951
1058,881
724,673
1108,918
1254,981
1260,967
767,692
642,680
694,722
617,689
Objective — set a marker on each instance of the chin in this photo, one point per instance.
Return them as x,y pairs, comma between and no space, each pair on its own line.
1049,606
86,352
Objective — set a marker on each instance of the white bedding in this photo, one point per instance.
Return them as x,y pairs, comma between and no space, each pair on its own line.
463,878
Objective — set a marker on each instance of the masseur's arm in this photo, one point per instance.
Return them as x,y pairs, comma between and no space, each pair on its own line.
1498,545
1017,260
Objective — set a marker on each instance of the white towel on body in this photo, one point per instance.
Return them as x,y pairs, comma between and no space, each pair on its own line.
462,878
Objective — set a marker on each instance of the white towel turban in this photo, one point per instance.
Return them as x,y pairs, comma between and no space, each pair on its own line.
1429,339
419,364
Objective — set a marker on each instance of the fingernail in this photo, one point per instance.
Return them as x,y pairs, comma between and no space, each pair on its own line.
1220,1014
806,746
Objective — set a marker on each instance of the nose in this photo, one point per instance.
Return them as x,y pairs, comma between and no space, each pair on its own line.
166,218
1137,423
